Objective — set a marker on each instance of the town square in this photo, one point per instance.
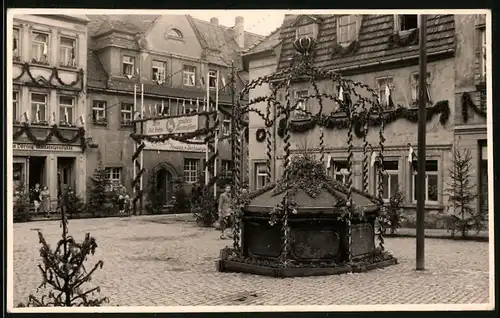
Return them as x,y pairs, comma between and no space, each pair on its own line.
214,160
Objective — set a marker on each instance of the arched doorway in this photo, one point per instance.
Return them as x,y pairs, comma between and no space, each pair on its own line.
164,185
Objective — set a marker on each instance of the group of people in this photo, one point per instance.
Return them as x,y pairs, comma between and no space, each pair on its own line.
40,197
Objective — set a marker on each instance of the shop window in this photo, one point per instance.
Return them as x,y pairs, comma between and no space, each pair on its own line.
390,179
431,182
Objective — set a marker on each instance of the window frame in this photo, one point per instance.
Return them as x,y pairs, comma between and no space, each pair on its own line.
427,173
187,73
16,102
72,63
226,127
16,53
415,88
347,25
381,82
72,107
128,63
163,67
313,32
388,173
258,174
177,34
99,108
397,23
45,106
190,172
212,76
304,104
125,122
336,173
44,59
113,182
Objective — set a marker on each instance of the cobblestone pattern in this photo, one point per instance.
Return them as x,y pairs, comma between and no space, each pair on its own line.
156,261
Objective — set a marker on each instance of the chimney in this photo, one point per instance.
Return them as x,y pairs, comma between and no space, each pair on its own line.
214,21
239,32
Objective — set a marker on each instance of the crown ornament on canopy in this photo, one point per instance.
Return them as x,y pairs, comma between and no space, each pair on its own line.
304,46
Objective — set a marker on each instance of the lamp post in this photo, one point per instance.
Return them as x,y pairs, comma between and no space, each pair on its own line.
422,99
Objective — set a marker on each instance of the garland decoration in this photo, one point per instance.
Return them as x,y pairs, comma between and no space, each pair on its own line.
43,82
351,113
365,148
381,182
338,120
396,40
54,131
267,135
468,103
350,49
260,135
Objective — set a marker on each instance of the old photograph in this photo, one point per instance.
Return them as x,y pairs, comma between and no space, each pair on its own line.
230,160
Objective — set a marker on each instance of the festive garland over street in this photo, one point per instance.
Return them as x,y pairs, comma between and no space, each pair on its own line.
396,40
467,103
350,49
43,82
54,131
339,121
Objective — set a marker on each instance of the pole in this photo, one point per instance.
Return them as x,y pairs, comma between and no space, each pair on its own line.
134,188
233,130
422,98
141,160
207,108
216,142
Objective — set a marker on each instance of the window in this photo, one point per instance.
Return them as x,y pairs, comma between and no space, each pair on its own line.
99,112
382,85
174,33
482,55
261,175
431,181
188,75
212,78
15,48
226,166
306,31
347,29
114,177
159,71
39,48
126,113
190,170
390,179
15,106
406,22
415,88
128,63
66,109
300,97
67,52
38,107
226,127
340,171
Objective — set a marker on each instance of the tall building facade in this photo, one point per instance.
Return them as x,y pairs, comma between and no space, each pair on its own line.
49,101
381,51
168,61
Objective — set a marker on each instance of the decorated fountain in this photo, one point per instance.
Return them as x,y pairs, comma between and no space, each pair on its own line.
305,223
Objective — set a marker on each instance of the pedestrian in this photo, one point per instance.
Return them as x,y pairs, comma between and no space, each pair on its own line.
121,204
127,204
45,195
70,201
225,210
36,196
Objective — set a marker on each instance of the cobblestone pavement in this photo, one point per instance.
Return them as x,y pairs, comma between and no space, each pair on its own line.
157,261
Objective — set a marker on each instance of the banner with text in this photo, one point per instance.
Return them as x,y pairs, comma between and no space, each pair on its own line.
177,125
17,146
174,145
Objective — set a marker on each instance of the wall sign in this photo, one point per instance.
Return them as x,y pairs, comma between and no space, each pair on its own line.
18,146
176,125
174,145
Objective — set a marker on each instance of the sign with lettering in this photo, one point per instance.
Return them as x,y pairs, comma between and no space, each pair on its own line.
174,145
17,146
176,125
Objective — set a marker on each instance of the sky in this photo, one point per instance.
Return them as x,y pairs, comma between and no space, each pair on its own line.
261,22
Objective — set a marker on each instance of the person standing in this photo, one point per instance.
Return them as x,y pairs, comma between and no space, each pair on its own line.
36,197
45,206
225,210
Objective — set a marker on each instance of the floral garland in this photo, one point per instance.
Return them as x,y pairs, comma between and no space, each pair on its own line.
335,121
54,131
53,75
468,103
396,40
260,135
352,48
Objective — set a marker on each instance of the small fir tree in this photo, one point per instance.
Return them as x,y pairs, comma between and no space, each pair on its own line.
181,203
98,199
394,211
21,204
461,193
154,198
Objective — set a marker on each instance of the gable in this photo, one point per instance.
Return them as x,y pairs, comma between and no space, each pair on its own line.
161,36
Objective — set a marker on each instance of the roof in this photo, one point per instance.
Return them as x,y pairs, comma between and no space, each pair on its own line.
267,43
373,41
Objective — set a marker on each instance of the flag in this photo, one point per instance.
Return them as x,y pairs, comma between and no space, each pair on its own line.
150,110
373,158
328,162
223,81
136,115
411,154
73,57
183,106
202,82
388,96
82,122
25,116
45,49
37,115
66,116
192,77
341,93
162,108
156,109
197,105
53,118
137,72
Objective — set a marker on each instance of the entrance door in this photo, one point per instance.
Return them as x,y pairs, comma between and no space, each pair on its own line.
164,186
18,175
36,171
66,166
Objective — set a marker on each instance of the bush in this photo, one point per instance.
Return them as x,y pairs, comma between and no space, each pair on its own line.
154,198
395,211
181,202
99,200
204,207
64,273
22,204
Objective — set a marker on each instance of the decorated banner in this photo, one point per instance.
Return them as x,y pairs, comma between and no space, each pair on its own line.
174,145
175,125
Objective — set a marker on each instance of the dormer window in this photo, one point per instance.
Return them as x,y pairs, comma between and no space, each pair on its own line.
347,29
309,30
406,22
175,33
